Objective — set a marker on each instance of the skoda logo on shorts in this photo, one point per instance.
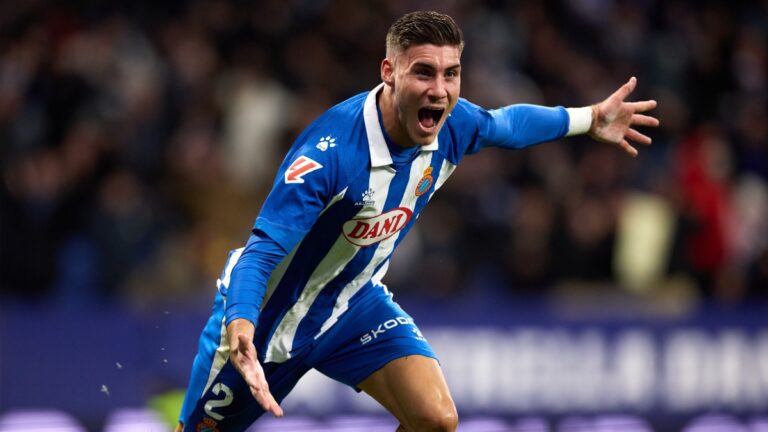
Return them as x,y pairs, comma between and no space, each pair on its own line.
389,325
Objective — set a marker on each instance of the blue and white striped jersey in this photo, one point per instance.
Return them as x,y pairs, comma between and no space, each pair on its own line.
340,206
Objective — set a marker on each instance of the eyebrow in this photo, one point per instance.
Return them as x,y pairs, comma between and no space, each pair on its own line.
431,67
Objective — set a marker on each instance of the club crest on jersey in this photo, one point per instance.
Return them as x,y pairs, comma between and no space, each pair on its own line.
368,231
207,425
425,183
299,168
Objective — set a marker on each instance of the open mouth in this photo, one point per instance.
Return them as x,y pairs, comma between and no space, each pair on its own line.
430,117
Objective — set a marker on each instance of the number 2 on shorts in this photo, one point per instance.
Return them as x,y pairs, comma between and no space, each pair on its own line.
211,404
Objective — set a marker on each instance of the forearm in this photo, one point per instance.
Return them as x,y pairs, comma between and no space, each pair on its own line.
248,283
523,125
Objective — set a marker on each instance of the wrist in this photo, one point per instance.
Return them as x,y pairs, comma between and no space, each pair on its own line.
580,120
240,326
595,115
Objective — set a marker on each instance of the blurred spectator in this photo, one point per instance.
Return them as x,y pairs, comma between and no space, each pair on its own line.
257,112
137,141
704,169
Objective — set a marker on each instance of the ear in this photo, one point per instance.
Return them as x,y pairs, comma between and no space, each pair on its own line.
388,72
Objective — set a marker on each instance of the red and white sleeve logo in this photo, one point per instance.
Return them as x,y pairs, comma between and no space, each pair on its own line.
299,168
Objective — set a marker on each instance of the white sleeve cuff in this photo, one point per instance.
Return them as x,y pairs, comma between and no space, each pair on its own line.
580,120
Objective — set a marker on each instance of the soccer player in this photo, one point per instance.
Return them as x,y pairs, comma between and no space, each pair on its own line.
306,291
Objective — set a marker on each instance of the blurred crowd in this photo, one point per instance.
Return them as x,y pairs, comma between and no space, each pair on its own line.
138,140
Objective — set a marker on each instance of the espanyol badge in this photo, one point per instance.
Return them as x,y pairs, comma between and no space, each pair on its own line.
425,183
207,425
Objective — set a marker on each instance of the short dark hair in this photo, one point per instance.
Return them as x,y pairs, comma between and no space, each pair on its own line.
423,27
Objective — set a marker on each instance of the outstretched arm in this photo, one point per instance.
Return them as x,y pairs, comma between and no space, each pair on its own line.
613,119
521,125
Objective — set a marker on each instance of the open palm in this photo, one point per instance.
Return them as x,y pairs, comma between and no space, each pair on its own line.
614,119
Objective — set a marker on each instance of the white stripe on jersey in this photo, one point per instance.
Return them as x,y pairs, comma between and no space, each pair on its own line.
220,357
279,271
376,279
383,250
340,254
233,258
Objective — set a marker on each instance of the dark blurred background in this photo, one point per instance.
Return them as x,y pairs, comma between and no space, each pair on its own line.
138,140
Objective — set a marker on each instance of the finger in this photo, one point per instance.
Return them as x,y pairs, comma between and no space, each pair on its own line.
266,400
626,89
644,120
642,106
628,148
637,137
274,407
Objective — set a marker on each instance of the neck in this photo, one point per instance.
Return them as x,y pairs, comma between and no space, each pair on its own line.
389,117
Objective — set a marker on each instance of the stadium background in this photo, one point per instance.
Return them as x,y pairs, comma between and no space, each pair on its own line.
566,287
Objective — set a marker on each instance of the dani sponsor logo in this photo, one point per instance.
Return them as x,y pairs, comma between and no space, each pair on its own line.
368,231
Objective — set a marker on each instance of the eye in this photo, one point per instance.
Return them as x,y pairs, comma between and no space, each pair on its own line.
453,73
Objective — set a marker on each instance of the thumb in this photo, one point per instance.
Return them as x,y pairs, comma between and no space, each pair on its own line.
244,344
243,339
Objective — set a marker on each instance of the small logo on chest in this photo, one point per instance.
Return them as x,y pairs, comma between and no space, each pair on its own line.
325,143
368,231
367,200
425,183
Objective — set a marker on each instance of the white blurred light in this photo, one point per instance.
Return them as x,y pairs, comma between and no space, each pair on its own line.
134,420
715,423
39,421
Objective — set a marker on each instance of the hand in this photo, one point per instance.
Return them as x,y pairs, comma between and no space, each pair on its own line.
612,119
243,357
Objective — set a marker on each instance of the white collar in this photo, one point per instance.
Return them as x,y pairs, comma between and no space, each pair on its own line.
378,145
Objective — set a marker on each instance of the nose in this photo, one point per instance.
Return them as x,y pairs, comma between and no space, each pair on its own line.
437,90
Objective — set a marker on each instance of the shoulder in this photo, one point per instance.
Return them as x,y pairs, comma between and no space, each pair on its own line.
340,122
466,110
462,129
336,140
467,117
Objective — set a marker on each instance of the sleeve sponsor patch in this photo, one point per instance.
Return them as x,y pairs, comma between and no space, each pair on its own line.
299,168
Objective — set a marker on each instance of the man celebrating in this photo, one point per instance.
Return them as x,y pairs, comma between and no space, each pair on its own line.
306,291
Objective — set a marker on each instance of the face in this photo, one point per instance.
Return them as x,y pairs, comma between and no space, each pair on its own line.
425,81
